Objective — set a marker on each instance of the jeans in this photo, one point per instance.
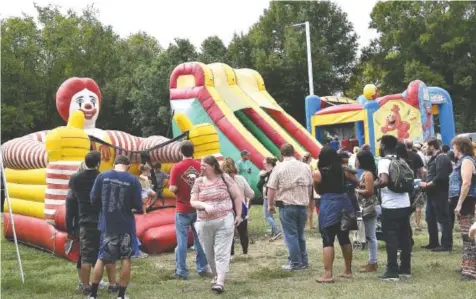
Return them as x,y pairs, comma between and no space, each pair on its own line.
293,219
438,212
370,225
397,235
269,218
182,223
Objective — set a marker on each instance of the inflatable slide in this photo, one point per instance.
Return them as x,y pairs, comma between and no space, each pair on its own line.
244,113
38,167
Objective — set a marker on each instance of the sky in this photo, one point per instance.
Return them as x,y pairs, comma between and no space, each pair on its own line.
190,19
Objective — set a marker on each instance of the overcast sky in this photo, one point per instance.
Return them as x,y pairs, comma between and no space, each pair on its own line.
190,19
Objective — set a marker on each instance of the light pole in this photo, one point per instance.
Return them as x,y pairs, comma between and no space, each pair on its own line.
309,59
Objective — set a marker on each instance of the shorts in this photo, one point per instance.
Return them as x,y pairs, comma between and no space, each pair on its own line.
146,193
420,198
89,239
329,234
118,247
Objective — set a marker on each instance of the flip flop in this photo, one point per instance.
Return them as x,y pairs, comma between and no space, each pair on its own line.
345,276
218,288
324,281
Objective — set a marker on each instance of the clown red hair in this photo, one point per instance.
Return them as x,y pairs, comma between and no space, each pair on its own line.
69,88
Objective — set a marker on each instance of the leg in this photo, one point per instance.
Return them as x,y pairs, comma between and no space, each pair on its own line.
390,231
328,236
302,215
223,239
370,233
125,277
244,239
432,224
442,211
452,204
206,234
269,218
468,262
289,217
310,213
181,229
418,218
404,242
97,275
201,260
346,247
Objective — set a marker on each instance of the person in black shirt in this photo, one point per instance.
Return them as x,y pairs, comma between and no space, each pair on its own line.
79,213
436,187
419,197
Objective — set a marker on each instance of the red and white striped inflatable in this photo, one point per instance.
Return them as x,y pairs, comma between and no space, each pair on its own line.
168,154
57,179
25,153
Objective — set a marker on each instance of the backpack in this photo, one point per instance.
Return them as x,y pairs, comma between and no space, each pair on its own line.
401,176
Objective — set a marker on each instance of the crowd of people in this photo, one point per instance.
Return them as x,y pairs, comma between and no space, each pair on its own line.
213,200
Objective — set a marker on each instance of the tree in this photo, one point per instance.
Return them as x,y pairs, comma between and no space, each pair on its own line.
212,50
430,41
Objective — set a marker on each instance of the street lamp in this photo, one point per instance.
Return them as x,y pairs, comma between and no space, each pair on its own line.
309,59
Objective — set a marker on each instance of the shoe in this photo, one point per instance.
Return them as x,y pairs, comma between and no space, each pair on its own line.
441,249
103,284
125,297
114,288
405,273
428,247
205,274
368,268
303,267
467,278
276,236
388,276
291,268
179,277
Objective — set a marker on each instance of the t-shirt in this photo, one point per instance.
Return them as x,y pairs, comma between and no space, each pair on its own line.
81,184
416,162
116,193
244,169
390,199
160,177
183,175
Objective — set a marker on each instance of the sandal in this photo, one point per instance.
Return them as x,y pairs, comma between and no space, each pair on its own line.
344,275
320,280
218,288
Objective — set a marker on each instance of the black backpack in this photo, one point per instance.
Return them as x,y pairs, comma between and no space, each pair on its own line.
400,175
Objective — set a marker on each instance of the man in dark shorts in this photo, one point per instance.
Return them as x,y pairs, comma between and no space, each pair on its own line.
80,214
116,193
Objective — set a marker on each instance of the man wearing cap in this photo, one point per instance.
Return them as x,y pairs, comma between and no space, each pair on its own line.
244,166
115,193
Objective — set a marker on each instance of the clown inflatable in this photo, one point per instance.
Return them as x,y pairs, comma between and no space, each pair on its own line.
38,167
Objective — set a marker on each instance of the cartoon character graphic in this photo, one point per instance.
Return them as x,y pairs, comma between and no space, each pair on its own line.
394,122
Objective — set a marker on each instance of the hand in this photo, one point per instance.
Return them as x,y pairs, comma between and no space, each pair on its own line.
423,185
458,210
238,220
208,208
271,209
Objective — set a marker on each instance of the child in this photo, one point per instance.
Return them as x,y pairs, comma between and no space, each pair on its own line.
160,177
148,195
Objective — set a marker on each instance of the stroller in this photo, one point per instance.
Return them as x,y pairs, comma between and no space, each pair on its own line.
359,240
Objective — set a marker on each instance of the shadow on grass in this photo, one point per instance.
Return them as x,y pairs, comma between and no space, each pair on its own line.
265,273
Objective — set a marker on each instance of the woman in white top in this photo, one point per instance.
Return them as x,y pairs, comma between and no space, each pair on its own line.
229,168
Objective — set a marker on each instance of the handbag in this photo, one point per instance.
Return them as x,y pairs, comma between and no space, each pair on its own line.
369,212
348,221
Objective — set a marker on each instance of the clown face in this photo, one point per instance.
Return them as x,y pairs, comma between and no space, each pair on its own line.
87,102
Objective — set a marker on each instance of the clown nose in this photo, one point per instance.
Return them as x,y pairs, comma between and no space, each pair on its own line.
76,120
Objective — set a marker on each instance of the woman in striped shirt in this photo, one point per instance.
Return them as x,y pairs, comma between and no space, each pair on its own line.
218,200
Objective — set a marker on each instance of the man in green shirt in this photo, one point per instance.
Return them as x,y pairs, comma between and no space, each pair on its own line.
244,166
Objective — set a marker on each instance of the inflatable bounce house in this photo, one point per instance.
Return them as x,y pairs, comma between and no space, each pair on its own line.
244,113
408,115
38,167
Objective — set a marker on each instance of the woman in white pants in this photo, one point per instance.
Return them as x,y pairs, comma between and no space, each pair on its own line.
218,200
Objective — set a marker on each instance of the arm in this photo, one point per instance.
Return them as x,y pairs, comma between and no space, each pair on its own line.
467,169
137,196
442,171
368,191
383,166
351,176
249,193
96,194
71,212
238,197
173,180
194,201
272,187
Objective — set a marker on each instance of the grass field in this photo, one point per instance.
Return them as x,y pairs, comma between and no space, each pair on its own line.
259,276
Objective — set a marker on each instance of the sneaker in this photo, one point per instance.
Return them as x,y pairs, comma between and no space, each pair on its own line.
428,247
405,273
441,249
178,277
388,276
125,297
114,288
205,274
290,268
103,284
368,268
276,236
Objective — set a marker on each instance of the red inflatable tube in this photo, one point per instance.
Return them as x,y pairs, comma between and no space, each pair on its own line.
38,233
162,239
60,218
153,219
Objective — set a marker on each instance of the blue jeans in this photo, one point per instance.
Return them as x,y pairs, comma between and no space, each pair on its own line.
293,219
269,218
182,222
371,235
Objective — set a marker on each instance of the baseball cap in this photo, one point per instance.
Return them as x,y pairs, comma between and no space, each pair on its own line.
244,153
123,160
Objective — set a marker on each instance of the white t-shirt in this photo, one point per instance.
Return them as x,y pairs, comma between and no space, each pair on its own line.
390,199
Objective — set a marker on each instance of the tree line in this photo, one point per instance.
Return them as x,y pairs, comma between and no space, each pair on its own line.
430,41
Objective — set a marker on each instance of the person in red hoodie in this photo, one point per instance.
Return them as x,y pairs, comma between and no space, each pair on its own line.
182,178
